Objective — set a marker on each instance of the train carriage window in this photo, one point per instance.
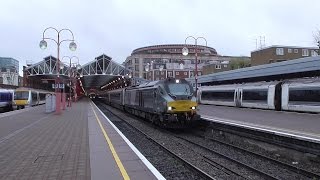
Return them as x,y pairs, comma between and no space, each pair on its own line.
34,96
309,95
218,95
254,95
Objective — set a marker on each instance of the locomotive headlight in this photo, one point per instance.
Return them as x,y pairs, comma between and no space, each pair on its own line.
193,107
169,108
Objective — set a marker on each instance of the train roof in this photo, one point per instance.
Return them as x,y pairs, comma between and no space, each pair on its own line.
267,71
306,80
261,83
6,90
28,89
152,83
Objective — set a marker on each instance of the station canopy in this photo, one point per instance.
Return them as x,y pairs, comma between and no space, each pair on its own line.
92,75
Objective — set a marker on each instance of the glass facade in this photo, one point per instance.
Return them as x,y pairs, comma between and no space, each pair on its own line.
8,63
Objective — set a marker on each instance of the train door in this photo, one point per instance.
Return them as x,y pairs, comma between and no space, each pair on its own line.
237,97
285,96
240,97
277,97
34,98
141,99
155,97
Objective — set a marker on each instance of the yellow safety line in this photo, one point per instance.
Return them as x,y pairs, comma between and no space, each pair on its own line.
113,151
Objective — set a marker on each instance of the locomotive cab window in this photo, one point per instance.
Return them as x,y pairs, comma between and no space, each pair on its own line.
179,89
21,95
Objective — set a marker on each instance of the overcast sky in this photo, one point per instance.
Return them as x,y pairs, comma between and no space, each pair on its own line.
116,27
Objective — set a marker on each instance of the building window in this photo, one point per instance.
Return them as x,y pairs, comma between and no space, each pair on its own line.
157,72
162,73
177,73
295,50
218,66
225,66
279,51
185,73
169,74
305,52
314,53
289,50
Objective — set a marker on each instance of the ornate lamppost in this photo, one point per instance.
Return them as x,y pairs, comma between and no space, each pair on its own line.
77,66
185,52
72,47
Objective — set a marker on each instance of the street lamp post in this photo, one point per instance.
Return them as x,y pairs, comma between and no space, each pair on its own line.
72,47
71,76
185,52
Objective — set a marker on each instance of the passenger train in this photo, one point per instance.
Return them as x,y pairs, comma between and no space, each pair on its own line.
24,97
170,102
290,95
6,100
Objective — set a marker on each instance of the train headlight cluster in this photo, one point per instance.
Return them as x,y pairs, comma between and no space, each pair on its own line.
169,108
193,107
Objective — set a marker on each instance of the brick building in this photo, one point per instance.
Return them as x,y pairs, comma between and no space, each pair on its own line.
226,63
277,53
161,61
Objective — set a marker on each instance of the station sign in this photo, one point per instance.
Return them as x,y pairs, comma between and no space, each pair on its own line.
58,86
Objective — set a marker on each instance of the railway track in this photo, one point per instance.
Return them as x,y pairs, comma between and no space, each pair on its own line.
197,173
214,158
267,164
295,169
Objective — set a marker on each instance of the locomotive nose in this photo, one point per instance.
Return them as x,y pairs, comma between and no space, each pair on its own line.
181,106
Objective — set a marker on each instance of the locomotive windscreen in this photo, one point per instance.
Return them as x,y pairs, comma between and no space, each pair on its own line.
21,95
180,89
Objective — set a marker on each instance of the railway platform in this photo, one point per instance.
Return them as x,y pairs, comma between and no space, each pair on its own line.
81,143
303,126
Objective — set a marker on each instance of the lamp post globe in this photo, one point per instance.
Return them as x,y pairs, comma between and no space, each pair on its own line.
185,51
78,66
72,46
43,44
61,66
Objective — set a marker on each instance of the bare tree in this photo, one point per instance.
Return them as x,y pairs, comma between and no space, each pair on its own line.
316,37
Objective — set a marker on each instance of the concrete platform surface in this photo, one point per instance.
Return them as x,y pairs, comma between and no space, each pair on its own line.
72,145
299,125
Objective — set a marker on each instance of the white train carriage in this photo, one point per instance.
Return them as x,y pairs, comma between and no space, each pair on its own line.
218,95
263,95
301,95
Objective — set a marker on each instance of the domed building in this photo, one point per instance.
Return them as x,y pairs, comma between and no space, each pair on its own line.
161,61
